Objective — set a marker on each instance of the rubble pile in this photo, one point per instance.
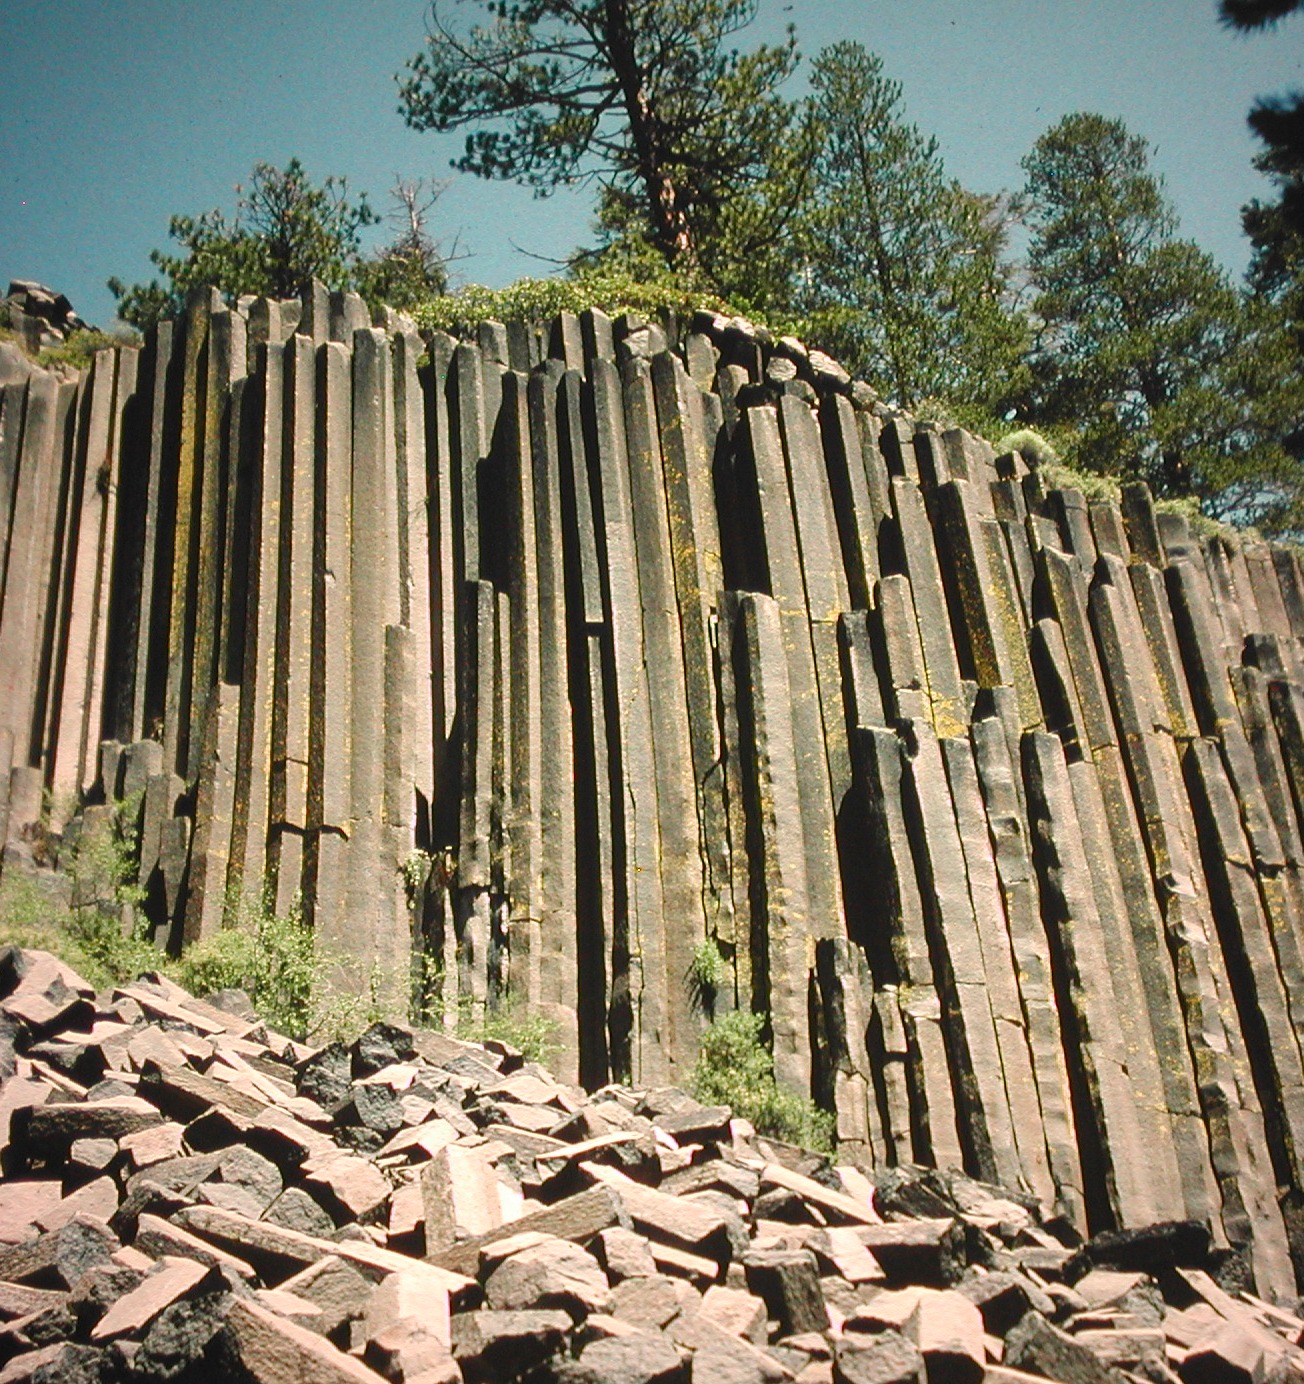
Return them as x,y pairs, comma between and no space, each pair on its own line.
188,1195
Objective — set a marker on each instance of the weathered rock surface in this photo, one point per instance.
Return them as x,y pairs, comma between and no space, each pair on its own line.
616,662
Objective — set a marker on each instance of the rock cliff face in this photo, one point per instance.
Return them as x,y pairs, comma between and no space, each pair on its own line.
989,797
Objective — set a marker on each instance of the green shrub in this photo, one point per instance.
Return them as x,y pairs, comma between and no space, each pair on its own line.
706,974
86,912
510,1022
540,300
80,348
1202,526
272,958
735,1068
1092,485
533,1034
1036,449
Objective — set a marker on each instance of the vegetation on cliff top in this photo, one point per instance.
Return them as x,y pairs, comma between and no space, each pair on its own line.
831,216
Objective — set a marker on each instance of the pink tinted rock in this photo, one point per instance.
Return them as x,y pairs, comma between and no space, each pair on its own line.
736,1312
948,1329
173,1279
98,1198
146,1147
22,1206
409,1296
276,1351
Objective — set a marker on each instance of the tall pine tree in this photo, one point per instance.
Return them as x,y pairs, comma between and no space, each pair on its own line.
645,96
286,231
1145,348
903,275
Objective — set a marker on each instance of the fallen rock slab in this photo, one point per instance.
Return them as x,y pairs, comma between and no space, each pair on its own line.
276,1351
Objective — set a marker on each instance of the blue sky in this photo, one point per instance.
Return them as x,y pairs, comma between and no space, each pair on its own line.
114,116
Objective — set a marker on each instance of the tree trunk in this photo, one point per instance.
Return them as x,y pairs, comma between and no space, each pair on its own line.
666,213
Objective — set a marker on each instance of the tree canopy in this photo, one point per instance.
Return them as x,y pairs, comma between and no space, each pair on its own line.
903,273
1276,227
1165,370
286,232
642,96
833,215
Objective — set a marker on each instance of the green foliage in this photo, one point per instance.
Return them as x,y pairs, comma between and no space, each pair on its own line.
509,1021
1164,371
903,276
81,346
416,870
539,300
272,958
1091,484
1037,450
86,915
533,1034
1276,228
1201,524
646,98
411,268
706,974
1255,14
285,232
735,1068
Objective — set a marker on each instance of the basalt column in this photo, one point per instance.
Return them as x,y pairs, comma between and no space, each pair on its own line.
633,673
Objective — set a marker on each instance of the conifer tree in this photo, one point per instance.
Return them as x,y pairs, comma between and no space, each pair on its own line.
904,275
285,232
1144,346
643,96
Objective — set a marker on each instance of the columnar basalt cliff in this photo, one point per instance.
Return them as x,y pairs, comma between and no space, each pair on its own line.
991,798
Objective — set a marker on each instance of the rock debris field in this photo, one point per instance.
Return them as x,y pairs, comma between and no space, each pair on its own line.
188,1195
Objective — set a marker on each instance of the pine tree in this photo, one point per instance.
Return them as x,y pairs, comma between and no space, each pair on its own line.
1276,228
1165,370
411,269
903,275
641,95
285,233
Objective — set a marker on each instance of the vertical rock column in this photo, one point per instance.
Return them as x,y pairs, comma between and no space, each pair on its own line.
414,586
248,869
921,1120
74,726
330,729
558,965
602,901
823,586
13,405
525,697
782,571
210,845
474,904
165,355
680,865
1008,829
374,899
1196,1078
695,545
31,440
443,578
288,788
658,947
1116,1182
1124,898
1025,1160
775,843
